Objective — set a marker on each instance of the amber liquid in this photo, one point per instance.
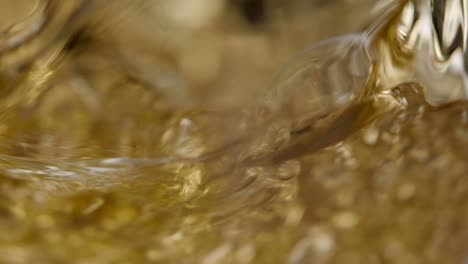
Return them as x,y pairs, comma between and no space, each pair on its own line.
356,153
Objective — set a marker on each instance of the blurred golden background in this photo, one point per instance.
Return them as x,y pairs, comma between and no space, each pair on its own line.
119,122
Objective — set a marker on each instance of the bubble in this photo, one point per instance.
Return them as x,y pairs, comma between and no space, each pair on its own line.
326,76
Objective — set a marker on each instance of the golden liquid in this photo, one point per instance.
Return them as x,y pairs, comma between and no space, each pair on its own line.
118,143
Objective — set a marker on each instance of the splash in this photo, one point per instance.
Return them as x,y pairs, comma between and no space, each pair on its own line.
354,154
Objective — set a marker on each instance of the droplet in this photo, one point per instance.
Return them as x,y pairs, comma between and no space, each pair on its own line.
371,135
322,240
154,255
345,220
217,255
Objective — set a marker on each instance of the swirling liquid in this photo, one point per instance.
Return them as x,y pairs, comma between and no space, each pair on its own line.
356,153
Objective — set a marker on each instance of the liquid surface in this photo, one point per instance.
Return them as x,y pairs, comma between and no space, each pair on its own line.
123,143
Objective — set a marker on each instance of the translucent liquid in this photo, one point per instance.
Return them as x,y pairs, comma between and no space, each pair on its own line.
356,153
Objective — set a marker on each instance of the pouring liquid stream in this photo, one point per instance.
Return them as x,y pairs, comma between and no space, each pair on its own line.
341,85
328,92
